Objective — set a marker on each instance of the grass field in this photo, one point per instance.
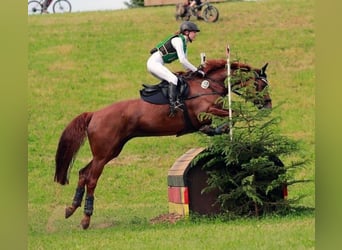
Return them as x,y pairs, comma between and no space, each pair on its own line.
84,61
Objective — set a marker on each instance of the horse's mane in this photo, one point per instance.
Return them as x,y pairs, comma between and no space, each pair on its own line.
210,65
214,64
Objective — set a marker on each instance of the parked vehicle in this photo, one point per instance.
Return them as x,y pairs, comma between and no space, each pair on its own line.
59,6
209,13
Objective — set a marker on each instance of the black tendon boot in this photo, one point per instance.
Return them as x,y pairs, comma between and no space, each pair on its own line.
172,98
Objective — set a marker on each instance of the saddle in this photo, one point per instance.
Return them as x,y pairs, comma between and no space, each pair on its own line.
158,93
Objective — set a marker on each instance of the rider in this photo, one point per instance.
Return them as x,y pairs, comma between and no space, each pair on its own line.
193,4
172,48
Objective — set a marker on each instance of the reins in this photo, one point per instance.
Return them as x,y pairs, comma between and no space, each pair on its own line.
212,93
203,94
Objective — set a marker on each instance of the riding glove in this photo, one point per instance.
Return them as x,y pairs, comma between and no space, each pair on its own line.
200,72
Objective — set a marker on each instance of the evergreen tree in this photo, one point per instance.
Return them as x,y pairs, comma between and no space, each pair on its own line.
246,168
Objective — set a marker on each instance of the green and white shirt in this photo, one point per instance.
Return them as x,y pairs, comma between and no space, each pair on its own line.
175,47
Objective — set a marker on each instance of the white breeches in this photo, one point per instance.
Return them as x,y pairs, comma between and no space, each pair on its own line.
155,66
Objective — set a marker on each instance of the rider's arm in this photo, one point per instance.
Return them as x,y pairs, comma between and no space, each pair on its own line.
177,43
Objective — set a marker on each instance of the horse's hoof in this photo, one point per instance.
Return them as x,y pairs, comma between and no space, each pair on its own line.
68,212
85,223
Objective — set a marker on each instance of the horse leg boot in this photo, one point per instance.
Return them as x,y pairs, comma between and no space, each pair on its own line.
78,197
88,211
91,182
172,98
76,202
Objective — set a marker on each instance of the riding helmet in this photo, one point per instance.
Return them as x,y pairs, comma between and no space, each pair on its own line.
190,26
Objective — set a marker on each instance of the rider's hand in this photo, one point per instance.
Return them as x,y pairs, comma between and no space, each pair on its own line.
200,73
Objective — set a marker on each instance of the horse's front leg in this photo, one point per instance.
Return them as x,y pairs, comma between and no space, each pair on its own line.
78,197
218,111
219,130
223,128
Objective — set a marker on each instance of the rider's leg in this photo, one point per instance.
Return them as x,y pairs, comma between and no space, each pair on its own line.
157,68
199,14
172,98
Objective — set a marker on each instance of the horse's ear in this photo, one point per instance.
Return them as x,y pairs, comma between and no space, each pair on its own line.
263,69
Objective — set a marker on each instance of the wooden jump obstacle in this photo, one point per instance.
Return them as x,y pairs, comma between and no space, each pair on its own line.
185,183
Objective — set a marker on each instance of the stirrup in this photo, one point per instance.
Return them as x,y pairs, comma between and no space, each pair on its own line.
178,104
173,110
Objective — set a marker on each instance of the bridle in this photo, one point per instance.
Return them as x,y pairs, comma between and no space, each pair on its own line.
257,77
262,77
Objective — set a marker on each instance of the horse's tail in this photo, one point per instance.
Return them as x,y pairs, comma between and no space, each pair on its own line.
70,142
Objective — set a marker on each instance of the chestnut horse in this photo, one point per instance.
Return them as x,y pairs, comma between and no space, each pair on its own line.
109,128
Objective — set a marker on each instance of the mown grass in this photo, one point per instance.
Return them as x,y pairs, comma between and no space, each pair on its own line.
84,61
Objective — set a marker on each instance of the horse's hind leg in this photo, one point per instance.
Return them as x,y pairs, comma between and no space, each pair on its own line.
78,197
93,175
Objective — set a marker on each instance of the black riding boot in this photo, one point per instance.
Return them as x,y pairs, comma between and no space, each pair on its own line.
172,98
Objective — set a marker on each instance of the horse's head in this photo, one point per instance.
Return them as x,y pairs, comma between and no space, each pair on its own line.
244,76
261,85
